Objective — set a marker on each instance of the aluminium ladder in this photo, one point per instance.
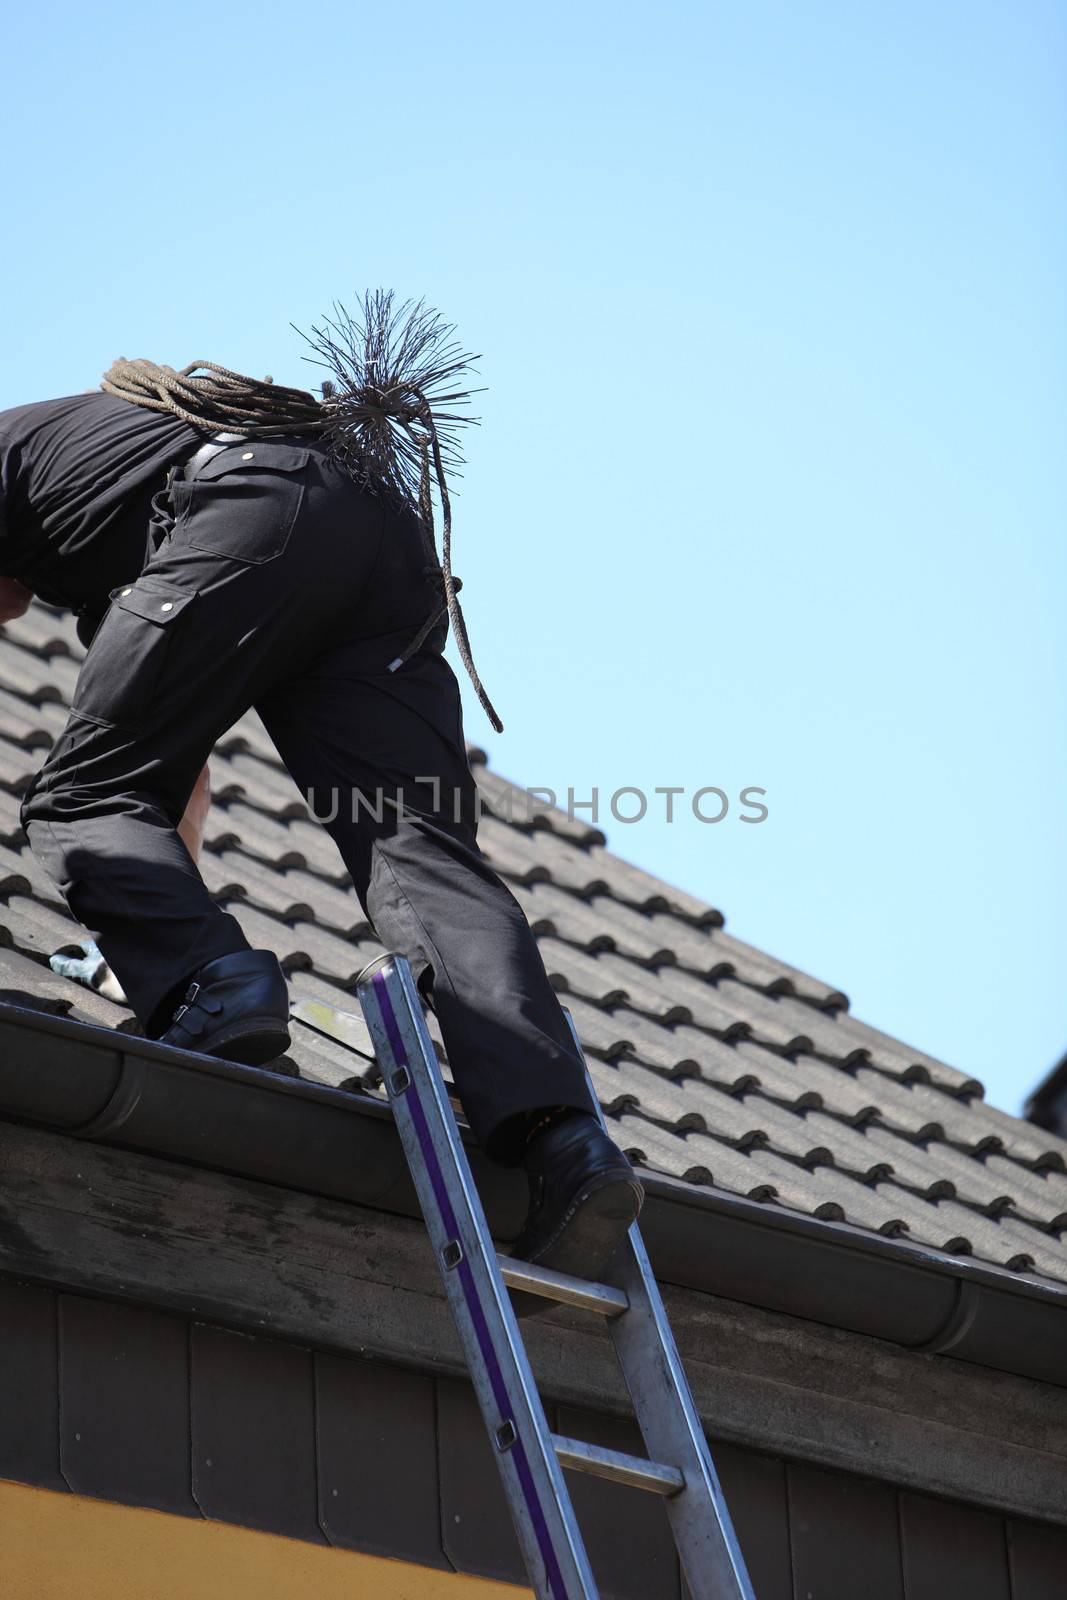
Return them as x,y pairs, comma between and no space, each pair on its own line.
476,1279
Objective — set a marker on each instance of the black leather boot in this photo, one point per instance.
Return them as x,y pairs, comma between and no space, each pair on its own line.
236,1007
584,1194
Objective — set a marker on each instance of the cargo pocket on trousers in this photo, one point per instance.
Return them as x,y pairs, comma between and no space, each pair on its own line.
244,500
118,678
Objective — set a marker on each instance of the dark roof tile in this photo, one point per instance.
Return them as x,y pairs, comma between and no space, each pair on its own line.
972,1124
307,985
819,1140
36,928
683,1051
843,1036
606,1032
540,855
264,785
596,924
711,950
28,724
592,977
526,809
758,1173
231,876
1040,1193
928,1169
323,1060
636,887
336,906
18,763
775,1020
804,1080
11,832
40,631
249,734
21,871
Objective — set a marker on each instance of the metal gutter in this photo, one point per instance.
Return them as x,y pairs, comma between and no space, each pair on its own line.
96,1084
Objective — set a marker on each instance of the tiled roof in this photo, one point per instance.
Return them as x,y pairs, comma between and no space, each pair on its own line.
718,1064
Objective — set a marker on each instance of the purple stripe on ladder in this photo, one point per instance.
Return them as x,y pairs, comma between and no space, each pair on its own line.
470,1293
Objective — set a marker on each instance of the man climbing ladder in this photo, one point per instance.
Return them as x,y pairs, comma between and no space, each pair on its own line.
263,548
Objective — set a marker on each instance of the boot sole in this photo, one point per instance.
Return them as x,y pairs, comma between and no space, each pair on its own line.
591,1230
250,1042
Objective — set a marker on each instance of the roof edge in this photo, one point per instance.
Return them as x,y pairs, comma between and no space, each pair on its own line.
106,1087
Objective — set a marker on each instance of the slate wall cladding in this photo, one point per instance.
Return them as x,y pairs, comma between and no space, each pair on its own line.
252,1410
122,1402
363,1415
719,1064
29,1386
950,1550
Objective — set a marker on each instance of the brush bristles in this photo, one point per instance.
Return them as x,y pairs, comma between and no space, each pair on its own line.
394,373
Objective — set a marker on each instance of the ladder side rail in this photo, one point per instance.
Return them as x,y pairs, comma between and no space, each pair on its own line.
511,1407
670,1425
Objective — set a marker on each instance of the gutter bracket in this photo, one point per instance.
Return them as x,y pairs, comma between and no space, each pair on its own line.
957,1324
121,1104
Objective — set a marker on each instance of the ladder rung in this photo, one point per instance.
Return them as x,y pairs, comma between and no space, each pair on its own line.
581,1292
601,1463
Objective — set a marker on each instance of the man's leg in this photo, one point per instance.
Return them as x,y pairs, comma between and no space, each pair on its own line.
88,966
102,818
380,757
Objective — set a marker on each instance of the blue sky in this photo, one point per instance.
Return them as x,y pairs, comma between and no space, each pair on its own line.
769,485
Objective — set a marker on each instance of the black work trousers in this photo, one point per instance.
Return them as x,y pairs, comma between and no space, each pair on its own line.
273,581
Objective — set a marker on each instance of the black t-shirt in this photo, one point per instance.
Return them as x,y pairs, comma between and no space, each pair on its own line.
77,476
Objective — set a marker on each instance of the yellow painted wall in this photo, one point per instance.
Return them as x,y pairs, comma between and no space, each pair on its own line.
66,1547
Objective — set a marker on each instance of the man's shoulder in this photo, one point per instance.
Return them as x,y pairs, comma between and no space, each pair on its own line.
33,414
106,421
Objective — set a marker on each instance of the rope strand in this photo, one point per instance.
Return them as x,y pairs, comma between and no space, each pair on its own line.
455,610
231,401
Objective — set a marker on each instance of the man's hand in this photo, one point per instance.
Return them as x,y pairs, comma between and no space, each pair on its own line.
14,599
191,827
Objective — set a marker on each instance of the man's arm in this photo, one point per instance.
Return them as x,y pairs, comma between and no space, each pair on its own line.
14,599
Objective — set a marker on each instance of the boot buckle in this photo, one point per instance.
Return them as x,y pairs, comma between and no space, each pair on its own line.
190,996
